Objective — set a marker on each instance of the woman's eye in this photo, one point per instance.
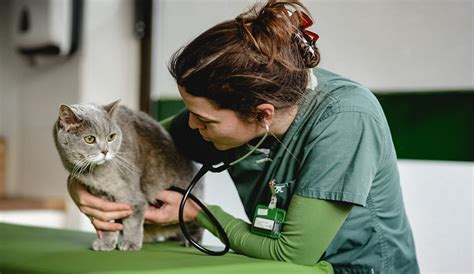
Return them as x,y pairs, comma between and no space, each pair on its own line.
111,137
204,121
201,120
89,139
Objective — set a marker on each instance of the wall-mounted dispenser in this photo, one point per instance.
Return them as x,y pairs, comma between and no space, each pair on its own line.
46,27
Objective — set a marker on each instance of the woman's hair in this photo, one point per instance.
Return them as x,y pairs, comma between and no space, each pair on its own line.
253,59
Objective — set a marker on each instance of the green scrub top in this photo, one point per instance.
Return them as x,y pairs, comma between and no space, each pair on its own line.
338,148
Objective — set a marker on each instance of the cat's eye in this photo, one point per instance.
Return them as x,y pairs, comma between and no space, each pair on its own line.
111,137
89,139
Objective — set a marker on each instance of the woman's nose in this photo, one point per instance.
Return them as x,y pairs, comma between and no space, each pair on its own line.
194,123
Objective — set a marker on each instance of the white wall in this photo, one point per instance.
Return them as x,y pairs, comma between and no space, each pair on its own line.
384,44
3,45
9,100
109,68
439,199
175,23
393,45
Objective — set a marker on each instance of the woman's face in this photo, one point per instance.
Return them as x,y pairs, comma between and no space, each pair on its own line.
222,127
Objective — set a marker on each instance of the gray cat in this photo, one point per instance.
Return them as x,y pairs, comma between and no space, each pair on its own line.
124,156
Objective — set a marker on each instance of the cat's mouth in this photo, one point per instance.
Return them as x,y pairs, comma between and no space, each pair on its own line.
101,159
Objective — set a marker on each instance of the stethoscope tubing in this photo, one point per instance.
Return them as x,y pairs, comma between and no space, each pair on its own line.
187,194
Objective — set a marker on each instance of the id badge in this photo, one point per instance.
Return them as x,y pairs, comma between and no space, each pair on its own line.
268,221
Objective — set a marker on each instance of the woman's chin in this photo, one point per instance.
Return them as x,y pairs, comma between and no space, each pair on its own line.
219,147
224,146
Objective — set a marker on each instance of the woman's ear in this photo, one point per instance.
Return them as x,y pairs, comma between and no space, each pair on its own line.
265,113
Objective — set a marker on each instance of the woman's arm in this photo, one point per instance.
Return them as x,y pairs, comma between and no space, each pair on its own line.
102,210
310,226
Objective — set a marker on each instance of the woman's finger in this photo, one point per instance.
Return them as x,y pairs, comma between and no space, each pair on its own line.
168,196
105,215
89,200
105,226
99,234
156,215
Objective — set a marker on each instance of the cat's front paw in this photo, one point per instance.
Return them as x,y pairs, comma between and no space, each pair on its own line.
129,246
101,245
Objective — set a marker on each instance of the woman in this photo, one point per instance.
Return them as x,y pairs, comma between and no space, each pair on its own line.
329,153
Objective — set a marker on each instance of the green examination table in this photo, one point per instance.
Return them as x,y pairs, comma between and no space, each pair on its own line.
25,249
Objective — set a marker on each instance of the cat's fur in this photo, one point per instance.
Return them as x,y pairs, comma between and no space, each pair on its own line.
140,161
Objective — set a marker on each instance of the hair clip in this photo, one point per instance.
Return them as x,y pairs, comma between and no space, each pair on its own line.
306,40
306,22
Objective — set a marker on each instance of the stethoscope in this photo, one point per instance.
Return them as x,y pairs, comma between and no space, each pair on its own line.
187,194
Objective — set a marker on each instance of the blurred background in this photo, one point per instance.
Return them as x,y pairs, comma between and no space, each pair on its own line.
417,56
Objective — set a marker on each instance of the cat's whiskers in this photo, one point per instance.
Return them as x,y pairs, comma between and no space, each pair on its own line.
91,168
121,167
79,166
123,153
125,164
85,166
118,167
75,167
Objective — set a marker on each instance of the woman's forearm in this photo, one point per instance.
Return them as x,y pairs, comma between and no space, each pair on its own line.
310,226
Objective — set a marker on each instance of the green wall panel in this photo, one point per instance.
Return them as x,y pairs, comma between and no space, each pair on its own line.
162,109
433,126
429,126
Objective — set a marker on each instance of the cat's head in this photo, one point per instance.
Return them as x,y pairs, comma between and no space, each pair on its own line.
88,134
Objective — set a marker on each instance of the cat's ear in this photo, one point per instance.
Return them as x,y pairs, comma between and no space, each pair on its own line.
67,118
112,107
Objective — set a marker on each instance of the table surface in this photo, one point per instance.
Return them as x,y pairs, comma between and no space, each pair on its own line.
25,249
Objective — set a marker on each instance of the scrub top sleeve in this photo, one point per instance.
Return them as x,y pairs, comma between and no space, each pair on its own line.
342,158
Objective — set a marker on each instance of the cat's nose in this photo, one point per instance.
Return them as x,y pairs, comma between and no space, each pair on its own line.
105,151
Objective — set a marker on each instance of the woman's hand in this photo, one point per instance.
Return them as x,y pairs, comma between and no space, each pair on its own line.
99,211
168,212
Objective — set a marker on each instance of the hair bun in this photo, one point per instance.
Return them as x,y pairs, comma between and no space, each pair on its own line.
269,27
